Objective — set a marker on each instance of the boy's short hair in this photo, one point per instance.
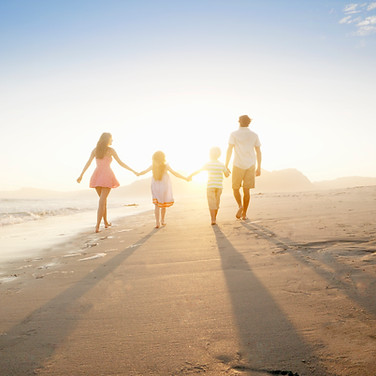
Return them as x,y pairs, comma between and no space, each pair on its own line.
215,152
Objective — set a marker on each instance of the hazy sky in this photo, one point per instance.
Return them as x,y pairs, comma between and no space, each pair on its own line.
175,75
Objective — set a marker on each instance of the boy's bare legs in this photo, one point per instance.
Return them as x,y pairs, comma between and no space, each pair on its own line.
163,215
213,216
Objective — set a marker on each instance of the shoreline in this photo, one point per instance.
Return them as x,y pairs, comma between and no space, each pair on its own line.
80,245
290,290
22,240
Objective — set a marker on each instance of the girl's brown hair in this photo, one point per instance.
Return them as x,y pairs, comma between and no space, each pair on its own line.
159,165
103,145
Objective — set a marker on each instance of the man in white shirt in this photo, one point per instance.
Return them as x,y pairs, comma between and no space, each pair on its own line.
246,165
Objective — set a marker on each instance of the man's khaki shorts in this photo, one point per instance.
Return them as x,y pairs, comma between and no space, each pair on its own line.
247,177
214,198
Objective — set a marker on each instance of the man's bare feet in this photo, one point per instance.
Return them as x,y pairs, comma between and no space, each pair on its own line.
213,223
239,213
163,223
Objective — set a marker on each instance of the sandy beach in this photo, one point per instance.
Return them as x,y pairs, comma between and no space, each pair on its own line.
291,291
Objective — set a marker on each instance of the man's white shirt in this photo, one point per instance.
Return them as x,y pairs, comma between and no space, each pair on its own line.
244,141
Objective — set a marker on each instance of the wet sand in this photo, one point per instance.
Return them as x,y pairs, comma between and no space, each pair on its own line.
290,291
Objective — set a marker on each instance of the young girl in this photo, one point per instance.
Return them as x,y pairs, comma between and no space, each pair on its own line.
103,178
161,188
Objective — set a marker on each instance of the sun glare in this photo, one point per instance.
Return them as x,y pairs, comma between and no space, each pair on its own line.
200,178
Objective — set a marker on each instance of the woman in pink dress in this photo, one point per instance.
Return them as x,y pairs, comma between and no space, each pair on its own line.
161,188
103,178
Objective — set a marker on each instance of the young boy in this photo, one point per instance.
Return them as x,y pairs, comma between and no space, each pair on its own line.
216,170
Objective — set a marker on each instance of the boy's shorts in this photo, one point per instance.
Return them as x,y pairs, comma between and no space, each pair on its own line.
247,177
214,198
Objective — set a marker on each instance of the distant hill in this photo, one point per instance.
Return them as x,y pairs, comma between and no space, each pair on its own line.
346,182
141,188
280,181
288,180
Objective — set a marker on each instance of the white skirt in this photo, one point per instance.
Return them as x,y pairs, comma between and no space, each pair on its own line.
161,191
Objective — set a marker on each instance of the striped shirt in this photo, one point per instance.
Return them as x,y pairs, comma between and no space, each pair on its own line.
215,171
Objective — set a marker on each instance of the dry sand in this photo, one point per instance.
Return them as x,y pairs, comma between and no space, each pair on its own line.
291,291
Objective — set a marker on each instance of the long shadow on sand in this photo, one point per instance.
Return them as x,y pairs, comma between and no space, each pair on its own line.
269,343
28,344
335,277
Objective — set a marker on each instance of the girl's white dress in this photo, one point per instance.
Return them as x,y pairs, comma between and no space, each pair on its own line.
161,191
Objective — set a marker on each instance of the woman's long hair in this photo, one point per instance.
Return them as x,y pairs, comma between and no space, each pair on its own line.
159,165
103,145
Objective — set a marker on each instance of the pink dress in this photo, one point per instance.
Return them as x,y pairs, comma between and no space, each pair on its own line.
103,176
161,191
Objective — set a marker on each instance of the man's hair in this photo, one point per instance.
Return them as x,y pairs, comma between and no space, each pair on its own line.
244,120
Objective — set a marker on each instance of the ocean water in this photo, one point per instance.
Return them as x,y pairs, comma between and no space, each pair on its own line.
16,211
28,226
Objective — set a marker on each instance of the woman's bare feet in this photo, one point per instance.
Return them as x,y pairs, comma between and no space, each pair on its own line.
108,224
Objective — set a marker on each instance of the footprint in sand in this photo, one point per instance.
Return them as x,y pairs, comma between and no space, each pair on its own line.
98,255
24,267
8,279
36,259
90,245
73,254
46,266
134,245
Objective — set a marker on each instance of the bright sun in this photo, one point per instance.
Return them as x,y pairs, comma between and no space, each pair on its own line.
201,178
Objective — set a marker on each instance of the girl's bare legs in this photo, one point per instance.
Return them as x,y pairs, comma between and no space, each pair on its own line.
102,205
156,213
163,215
